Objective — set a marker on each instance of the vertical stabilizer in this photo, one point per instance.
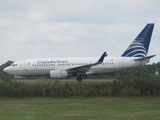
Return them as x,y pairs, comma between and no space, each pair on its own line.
139,47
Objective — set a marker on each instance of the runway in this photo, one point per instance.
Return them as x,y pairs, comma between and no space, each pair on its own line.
63,80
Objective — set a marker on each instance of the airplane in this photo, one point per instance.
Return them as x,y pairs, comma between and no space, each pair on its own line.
63,68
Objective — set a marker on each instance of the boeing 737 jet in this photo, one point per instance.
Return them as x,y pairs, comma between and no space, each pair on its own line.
62,68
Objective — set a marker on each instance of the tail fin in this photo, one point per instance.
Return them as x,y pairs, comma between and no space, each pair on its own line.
139,47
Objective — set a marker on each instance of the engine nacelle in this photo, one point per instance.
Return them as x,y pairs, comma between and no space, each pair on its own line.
58,74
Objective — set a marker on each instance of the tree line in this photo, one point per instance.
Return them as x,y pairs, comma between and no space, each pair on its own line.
150,69
3,75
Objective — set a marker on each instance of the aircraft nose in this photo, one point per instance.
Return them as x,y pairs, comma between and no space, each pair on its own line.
5,70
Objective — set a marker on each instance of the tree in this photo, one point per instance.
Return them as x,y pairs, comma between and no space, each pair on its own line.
2,74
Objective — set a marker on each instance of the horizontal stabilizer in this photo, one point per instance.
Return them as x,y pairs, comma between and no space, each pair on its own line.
145,58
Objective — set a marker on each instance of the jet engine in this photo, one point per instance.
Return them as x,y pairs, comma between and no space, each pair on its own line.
58,74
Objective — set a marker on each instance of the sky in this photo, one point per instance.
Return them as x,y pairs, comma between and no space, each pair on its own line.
74,28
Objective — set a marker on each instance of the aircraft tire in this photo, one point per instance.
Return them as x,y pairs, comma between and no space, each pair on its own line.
79,79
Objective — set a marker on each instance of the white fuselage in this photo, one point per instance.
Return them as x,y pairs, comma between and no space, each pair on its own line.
43,66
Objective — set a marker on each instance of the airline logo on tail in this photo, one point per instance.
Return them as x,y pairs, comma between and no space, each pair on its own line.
136,49
139,47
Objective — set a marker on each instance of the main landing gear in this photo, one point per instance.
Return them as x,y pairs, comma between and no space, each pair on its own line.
79,78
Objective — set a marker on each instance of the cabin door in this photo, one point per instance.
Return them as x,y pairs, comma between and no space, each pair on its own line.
25,64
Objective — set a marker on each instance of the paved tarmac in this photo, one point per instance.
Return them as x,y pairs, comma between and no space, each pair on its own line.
63,80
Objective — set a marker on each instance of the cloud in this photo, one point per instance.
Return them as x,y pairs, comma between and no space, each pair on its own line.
74,28
58,39
16,37
35,16
5,22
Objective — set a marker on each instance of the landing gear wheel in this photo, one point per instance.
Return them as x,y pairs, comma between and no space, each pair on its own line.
79,79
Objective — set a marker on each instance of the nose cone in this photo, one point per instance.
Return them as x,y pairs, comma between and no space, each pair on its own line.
6,70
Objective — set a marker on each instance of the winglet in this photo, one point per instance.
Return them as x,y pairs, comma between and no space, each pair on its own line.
101,58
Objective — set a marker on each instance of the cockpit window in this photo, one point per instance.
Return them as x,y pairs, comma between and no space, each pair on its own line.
14,65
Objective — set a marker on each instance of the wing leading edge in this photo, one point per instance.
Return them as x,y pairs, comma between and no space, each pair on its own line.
86,68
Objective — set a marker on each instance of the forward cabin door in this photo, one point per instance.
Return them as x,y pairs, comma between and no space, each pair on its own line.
25,64
25,68
29,67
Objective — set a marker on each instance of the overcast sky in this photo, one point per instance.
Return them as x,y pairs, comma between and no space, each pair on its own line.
74,28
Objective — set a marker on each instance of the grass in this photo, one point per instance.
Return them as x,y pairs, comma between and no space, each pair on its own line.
80,108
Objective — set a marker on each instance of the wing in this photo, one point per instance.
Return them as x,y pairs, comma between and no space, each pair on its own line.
85,68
